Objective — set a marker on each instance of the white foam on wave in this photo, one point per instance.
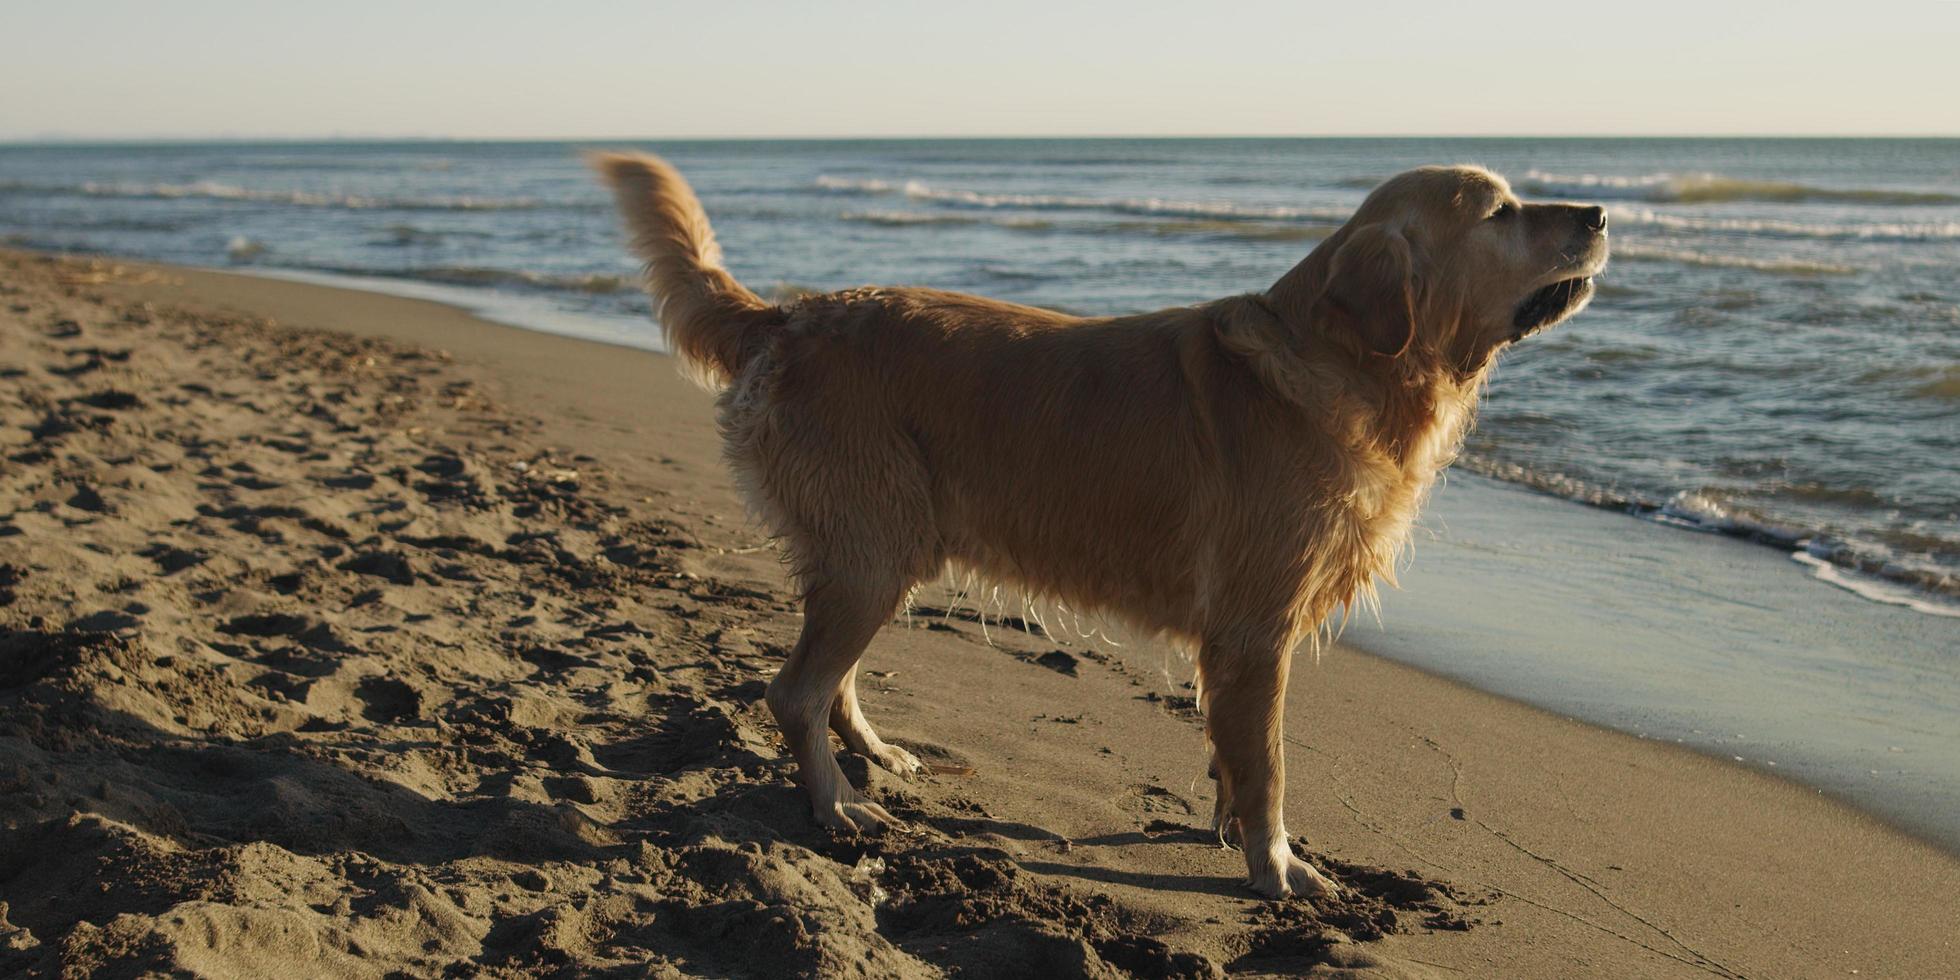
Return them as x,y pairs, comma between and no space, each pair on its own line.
1876,590
1878,231
216,191
927,219
906,218
1865,567
1713,188
1638,185
1702,512
829,183
956,197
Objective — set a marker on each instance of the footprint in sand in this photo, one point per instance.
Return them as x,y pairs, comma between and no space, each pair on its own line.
1156,799
171,559
388,701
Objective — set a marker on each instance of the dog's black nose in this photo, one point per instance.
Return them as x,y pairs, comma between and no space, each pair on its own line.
1593,218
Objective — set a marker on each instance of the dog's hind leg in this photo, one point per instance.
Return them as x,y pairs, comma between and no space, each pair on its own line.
1244,685
848,722
849,495
1223,823
839,618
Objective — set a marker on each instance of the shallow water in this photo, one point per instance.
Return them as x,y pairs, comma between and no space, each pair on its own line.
1733,652
1775,351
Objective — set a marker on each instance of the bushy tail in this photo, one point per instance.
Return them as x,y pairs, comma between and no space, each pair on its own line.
711,321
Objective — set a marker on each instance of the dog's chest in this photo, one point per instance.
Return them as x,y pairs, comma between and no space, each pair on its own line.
1387,488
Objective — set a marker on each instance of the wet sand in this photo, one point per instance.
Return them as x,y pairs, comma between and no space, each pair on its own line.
347,633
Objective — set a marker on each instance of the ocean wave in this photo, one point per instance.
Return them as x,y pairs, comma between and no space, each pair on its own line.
405,235
1264,231
1709,188
304,161
1697,510
1882,574
477,275
1830,572
1247,230
1700,510
118,223
1716,260
1879,231
853,184
906,219
909,219
1153,206
210,190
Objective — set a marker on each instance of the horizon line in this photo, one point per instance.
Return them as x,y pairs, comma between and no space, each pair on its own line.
61,140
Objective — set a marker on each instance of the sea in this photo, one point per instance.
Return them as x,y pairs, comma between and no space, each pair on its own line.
1774,353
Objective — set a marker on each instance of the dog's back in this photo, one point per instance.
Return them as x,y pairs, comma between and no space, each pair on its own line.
1089,460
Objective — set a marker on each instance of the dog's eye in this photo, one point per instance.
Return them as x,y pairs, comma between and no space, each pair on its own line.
1504,210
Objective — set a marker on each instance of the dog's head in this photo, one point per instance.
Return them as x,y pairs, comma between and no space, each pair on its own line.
1447,263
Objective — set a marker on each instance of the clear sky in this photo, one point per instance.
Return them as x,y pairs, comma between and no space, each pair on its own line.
204,68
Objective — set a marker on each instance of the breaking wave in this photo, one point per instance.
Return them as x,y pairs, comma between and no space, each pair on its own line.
911,219
1917,580
1259,231
1770,227
1708,188
955,197
217,191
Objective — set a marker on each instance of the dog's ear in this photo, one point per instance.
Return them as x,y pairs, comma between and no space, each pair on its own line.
1370,290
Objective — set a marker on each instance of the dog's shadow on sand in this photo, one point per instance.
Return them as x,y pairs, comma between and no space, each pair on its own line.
1158,833
1181,881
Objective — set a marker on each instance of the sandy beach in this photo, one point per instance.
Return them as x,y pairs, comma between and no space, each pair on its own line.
346,634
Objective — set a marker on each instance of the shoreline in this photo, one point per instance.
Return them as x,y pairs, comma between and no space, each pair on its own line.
1583,838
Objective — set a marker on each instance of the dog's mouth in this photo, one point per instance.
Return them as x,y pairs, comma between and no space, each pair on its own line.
1551,304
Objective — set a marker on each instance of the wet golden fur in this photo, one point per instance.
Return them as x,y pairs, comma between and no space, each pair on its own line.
1227,474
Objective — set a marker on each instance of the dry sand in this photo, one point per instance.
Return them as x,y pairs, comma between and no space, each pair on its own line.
329,653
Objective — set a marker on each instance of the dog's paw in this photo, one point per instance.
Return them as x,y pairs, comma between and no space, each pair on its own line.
1297,878
856,817
896,760
1305,879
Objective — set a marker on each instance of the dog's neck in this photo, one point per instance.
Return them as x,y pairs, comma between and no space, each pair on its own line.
1413,409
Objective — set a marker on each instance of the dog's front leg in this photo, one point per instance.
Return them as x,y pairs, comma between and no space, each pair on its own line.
1244,686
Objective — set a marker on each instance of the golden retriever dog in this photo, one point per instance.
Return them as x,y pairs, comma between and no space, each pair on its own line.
1224,475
